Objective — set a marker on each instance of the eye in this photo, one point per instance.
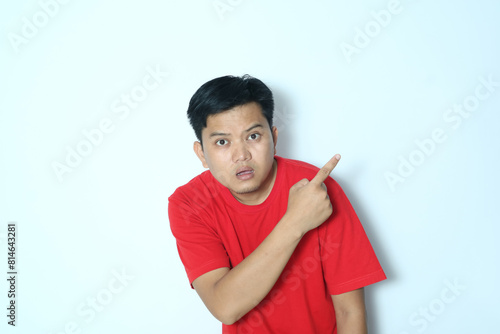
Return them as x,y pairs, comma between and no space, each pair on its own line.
221,142
254,136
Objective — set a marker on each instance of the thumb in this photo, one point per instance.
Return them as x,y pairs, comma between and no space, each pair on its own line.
301,183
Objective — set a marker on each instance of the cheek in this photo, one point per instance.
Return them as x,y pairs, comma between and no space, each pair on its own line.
268,149
216,162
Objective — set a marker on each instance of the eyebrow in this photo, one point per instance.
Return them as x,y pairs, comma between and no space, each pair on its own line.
215,134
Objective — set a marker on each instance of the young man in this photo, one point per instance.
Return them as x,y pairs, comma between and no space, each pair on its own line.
271,245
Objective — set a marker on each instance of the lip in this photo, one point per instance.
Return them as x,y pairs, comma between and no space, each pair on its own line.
244,173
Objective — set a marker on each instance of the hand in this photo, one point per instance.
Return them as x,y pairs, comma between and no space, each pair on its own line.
308,202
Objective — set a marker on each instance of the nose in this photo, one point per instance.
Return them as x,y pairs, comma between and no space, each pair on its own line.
240,152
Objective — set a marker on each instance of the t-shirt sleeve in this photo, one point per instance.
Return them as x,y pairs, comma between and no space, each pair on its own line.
198,243
349,261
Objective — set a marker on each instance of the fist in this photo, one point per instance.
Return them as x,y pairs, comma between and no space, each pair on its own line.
308,202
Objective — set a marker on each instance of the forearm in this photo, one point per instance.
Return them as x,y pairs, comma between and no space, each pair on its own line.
246,285
352,324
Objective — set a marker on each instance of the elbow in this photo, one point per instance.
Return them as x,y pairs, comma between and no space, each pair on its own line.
228,321
227,317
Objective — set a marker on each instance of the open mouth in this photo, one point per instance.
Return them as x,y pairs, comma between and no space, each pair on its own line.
244,173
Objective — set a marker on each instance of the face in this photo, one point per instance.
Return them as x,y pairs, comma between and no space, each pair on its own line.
239,148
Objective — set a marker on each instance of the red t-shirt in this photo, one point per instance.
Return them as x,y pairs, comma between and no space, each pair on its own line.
214,230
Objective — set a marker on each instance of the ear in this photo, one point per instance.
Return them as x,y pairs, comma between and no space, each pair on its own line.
274,131
198,150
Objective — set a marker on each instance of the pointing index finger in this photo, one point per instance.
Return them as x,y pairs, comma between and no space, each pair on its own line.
325,171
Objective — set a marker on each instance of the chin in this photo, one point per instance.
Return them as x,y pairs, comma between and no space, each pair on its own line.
246,190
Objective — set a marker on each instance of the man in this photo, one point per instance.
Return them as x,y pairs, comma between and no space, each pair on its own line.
271,245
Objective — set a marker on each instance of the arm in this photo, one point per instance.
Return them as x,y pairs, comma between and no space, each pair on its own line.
230,294
350,312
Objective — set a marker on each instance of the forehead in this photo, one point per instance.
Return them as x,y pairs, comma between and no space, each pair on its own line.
236,119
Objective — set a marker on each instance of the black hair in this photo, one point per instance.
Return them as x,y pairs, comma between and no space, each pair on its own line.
224,93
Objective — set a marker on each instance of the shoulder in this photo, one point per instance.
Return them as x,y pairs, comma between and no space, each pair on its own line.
197,195
200,183
300,169
193,203
295,163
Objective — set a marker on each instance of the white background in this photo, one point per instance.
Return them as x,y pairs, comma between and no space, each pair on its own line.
65,72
